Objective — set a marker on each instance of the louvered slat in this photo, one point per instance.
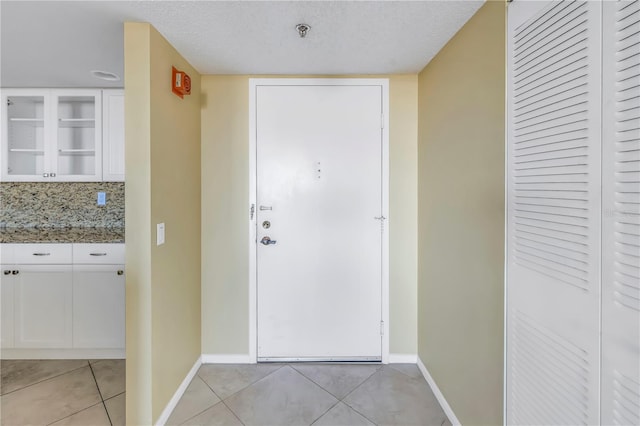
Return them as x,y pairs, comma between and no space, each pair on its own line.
553,375
621,214
553,138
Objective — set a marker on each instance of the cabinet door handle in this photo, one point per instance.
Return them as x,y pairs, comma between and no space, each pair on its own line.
120,272
52,175
42,254
97,254
45,175
7,272
15,272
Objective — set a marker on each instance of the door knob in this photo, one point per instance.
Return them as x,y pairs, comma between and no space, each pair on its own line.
266,241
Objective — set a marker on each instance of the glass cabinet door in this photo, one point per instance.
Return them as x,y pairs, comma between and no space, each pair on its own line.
78,148
25,145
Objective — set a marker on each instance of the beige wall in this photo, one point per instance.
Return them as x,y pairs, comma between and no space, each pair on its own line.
138,223
162,185
461,217
225,209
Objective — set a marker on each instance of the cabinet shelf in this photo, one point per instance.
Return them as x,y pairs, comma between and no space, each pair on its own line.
32,122
77,151
27,150
76,122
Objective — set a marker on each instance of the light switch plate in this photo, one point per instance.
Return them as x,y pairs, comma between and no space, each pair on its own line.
160,234
102,198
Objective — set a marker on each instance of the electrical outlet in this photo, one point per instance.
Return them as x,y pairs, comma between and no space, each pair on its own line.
102,198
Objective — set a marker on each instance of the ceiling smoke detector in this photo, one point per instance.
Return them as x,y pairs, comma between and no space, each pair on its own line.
303,29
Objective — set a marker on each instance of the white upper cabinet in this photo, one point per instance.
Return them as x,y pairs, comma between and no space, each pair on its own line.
57,135
77,137
113,135
26,117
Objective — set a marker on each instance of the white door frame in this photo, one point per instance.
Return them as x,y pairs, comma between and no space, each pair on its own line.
253,279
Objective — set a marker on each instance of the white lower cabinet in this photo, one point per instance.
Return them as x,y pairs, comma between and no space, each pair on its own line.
6,306
98,306
43,306
62,300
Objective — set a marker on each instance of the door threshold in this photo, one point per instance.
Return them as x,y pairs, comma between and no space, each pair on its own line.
329,360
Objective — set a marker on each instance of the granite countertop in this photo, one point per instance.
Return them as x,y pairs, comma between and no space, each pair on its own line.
61,235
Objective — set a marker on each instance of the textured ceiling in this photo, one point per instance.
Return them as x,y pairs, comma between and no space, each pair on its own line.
56,43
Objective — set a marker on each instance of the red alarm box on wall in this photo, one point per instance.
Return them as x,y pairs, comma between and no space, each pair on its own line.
180,82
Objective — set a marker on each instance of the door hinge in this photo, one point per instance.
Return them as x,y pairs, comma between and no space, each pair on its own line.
252,211
382,328
382,121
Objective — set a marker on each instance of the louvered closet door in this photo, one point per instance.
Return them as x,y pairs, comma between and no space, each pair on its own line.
553,228
621,214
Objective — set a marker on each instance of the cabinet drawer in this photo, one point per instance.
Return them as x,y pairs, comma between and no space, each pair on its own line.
42,254
6,254
98,254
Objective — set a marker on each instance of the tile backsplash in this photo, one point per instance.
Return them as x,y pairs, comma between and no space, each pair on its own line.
61,205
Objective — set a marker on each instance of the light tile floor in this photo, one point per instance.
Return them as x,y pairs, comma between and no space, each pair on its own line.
62,392
308,394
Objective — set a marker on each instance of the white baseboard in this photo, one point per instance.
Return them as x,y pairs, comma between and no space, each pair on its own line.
439,396
25,353
179,392
227,359
403,358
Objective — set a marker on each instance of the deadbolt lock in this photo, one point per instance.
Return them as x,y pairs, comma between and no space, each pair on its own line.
266,224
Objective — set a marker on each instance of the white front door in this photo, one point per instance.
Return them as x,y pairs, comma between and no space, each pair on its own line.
319,233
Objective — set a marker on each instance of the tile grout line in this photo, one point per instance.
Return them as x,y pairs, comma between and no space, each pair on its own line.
363,416
327,390
339,400
44,380
200,412
197,414
358,387
328,409
209,407
234,413
382,368
85,408
100,393
240,390
73,414
207,384
317,384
